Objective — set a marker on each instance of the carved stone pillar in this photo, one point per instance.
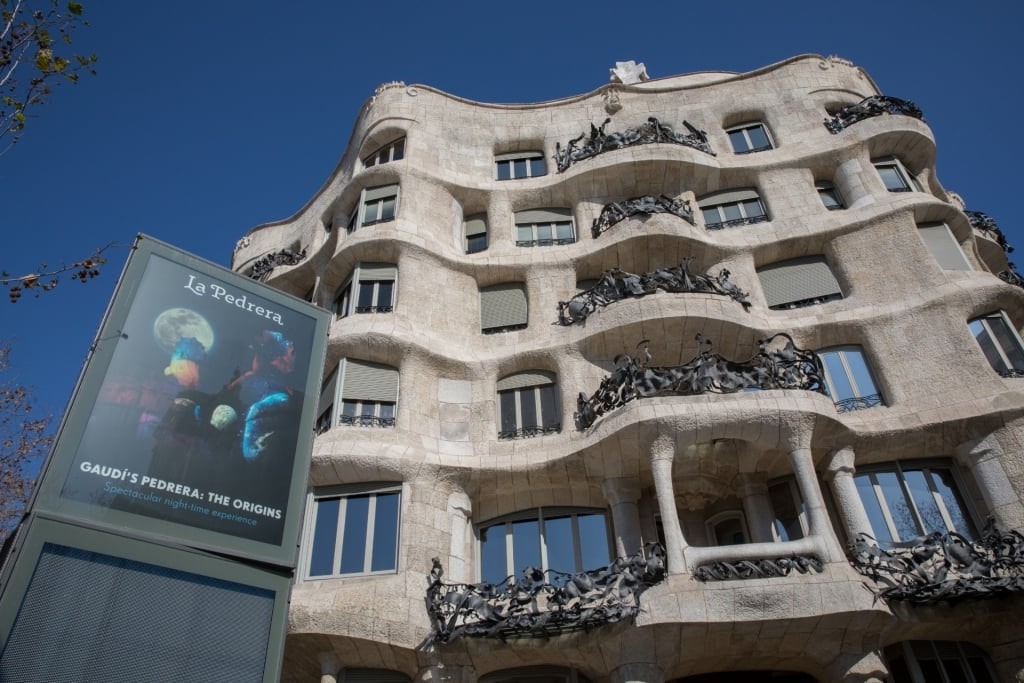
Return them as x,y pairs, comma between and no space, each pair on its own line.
757,507
328,668
983,458
622,495
817,516
460,509
639,672
839,473
662,455
849,179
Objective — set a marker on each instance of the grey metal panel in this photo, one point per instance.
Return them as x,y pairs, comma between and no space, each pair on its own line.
330,389
503,305
366,381
943,246
476,224
380,192
727,197
548,215
527,378
797,280
378,271
519,155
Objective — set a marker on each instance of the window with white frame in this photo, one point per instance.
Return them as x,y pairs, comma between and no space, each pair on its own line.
560,541
1000,343
943,246
895,175
790,521
904,500
519,165
353,531
503,307
797,283
371,289
849,379
732,208
528,405
727,528
829,195
932,661
376,205
749,137
475,231
369,394
544,227
393,151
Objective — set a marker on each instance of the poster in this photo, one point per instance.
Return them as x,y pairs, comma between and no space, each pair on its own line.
198,417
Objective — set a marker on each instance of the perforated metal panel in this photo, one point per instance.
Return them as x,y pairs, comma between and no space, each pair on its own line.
798,280
380,192
366,381
503,305
943,246
378,271
476,224
92,617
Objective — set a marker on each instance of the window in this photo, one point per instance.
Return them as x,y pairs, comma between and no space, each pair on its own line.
799,282
565,540
376,205
999,342
519,165
369,394
749,137
849,379
374,286
544,227
907,500
790,521
732,208
928,661
727,528
325,408
503,307
943,246
393,151
354,531
895,175
528,405
829,195
475,229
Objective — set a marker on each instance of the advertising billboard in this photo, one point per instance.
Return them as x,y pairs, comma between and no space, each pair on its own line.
194,416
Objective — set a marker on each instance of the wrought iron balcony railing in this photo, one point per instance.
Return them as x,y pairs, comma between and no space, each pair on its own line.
366,421
804,303
648,205
264,266
736,222
758,569
529,432
653,130
869,107
374,309
546,242
859,403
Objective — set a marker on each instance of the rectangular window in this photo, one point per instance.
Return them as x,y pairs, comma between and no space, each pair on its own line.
829,195
374,286
907,500
528,405
475,230
519,165
732,208
849,379
895,176
354,533
799,282
544,227
325,408
790,521
369,394
377,205
943,246
749,137
393,151
1000,343
503,308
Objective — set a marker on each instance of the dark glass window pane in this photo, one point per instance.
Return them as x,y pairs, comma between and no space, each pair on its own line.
507,399
537,167
988,346
892,179
371,212
528,407
348,408
369,409
753,208
711,216
593,541
476,243
365,295
550,416
520,168
493,560
325,533
353,543
1007,340
544,231
739,142
899,508
399,150
504,170
385,291
388,209
930,669
524,233
861,375
841,387
758,137
385,533
732,212
563,231
525,545
942,479
829,198
923,499
560,546
387,410
873,508
787,515
980,670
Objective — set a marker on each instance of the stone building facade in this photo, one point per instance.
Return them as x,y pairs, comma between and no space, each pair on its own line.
728,326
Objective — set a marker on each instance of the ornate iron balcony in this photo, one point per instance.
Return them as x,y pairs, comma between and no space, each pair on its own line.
529,432
366,421
943,567
265,265
736,222
616,285
859,403
647,205
547,242
869,107
771,368
758,569
374,309
542,603
598,141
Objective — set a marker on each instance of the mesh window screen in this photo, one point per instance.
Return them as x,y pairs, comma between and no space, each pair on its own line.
798,280
93,617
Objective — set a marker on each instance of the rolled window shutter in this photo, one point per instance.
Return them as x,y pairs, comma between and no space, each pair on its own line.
527,378
327,393
503,305
550,215
380,192
476,225
798,280
378,271
366,381
518,155
943,246
727,197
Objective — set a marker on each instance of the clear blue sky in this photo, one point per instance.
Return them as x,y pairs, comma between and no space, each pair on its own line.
209,118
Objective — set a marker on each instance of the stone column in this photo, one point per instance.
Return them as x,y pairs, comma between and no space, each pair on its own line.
757,507
622,494
817,516
328,668
983,458
662,455
850,180
839,473
639,672
459,510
